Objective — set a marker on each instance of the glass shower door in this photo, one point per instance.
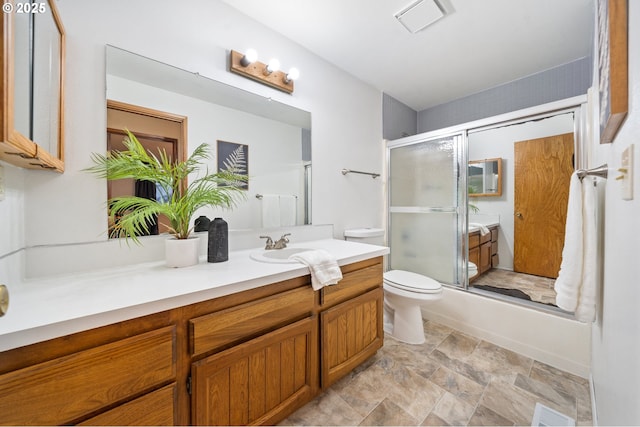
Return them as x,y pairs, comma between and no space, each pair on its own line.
426,209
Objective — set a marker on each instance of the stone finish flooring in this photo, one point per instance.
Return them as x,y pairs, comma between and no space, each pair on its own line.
451,379
540,289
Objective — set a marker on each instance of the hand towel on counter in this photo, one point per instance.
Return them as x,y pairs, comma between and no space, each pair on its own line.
324,269
288,210
576,282
270,210
483,230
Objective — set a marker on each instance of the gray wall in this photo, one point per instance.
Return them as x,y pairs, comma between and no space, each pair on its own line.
562,82
398,119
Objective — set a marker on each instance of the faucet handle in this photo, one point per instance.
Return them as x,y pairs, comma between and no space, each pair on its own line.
269,243
284,237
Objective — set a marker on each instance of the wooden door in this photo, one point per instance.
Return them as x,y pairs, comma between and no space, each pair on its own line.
260,381
542,172
157,131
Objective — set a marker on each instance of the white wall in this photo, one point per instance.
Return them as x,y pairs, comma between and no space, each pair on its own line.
499,143
616,333
275,148
346,113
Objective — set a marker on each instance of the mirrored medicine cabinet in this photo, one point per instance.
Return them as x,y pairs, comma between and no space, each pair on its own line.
485,177
31,85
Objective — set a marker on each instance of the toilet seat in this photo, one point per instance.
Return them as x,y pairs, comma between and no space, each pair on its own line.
412,282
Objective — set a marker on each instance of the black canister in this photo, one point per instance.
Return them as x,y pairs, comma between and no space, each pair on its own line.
201,223
218,250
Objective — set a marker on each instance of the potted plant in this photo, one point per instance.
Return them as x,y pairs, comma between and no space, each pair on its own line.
131,216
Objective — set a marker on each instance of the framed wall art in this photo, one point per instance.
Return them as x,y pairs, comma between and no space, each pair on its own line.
234,157
612,66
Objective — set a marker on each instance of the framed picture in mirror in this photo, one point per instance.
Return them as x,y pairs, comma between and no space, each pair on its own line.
234,158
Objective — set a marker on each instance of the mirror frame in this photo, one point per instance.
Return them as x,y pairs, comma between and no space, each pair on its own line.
16,148
498,191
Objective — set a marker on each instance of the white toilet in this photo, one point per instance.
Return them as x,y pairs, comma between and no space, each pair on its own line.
404,293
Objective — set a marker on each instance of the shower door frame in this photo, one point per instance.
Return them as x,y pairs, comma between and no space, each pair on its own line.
460,153
585,118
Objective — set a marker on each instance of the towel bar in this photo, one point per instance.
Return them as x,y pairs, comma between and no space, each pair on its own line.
259,196
373,175
601,171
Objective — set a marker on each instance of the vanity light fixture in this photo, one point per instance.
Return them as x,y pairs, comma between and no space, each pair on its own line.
247,65
249,57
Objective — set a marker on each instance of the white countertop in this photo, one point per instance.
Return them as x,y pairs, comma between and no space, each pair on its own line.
46,308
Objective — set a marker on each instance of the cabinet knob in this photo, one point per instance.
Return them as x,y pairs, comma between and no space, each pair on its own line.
518,214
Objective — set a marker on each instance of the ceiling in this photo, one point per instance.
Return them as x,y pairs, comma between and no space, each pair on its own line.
479,44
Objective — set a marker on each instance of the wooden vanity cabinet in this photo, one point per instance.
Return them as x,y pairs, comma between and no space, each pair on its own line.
124,371
253,357
483,251
351,320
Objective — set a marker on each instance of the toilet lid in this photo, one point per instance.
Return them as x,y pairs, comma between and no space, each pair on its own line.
411,281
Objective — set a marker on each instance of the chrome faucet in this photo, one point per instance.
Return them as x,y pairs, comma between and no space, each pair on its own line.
269,244
282,242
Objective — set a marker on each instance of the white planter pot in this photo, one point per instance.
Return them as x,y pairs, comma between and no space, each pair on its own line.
182,252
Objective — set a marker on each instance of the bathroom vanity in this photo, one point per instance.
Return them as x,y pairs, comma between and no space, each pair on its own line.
247,357
483,250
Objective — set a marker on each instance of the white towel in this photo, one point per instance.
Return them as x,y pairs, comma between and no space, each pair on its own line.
270,210
324,269
483,230
288,210
576,282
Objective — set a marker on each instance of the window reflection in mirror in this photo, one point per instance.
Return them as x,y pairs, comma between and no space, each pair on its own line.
485,177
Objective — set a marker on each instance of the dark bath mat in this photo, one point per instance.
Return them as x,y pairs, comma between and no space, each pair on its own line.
510,292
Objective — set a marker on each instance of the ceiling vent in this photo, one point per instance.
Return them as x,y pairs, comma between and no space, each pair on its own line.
420,15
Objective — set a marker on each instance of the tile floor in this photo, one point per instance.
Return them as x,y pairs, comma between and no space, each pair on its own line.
451,379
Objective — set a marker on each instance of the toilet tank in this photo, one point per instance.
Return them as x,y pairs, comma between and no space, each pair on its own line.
374,236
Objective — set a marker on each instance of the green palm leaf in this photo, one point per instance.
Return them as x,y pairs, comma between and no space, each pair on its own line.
132,215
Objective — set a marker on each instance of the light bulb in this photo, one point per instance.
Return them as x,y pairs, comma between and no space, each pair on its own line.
249,57
274,65
293,74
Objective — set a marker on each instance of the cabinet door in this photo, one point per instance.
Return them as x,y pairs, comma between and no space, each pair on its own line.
474,257
351,333
485,257
260,381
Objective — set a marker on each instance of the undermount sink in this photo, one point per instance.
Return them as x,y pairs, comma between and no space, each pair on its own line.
277,256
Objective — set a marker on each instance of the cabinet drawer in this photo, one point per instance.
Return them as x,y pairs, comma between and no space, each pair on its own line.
494,234
474,240
64,389
486,238
352,284
154,409
239,323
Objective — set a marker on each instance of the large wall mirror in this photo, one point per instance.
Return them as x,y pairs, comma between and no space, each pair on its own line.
32,90
277,136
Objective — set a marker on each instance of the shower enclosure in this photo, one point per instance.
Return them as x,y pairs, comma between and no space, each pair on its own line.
428,188
427,207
